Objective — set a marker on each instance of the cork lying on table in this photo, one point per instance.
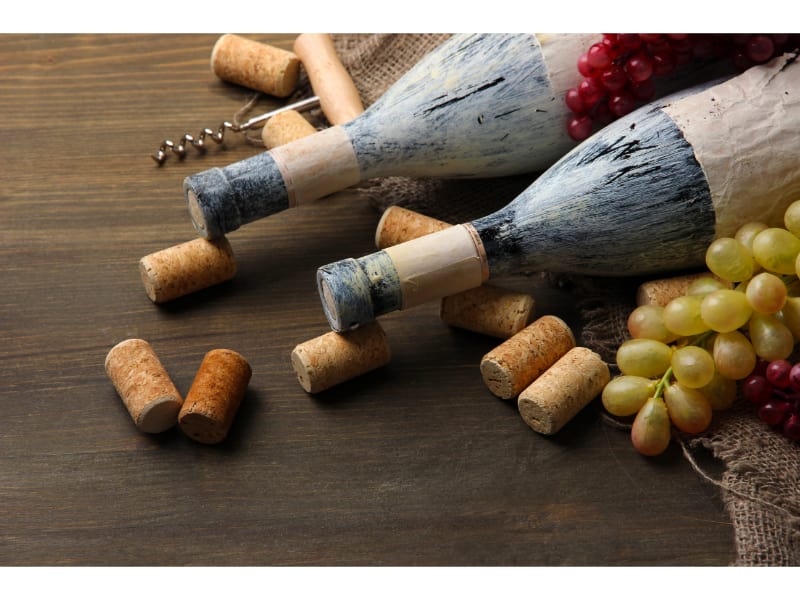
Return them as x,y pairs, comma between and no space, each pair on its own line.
186,268
489,310
398,225
255,65
333,358
560,393
144,385
214,398
513,365
285,127
662,291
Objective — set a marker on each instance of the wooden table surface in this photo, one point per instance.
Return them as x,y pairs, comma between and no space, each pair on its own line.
413,464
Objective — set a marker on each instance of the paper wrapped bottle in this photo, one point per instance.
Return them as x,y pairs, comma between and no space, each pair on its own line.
477,106
646,194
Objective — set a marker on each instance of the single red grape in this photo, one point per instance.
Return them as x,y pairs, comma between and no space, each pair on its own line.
580,127
791,428
757,389
584,68
621,103
574,101
777,373
663,63
613,78
794,378
591,90
639,67
773,413
598,56
760,48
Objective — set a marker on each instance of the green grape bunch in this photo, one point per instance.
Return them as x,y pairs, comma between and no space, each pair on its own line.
685,360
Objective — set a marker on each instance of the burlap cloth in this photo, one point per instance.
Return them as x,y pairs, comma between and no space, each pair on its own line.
759,481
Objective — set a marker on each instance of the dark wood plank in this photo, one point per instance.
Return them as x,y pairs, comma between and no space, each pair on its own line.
414,464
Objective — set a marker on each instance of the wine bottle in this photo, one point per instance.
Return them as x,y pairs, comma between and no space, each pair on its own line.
646,194
477,106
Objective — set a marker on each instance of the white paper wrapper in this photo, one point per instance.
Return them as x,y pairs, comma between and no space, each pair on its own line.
561,52
307,177
746,136
439,264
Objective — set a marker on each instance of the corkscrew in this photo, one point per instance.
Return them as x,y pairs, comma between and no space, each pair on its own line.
218,136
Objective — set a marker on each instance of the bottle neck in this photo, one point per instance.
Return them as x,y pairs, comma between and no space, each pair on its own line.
356,291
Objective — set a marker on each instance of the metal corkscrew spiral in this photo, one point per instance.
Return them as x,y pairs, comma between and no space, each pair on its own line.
218,136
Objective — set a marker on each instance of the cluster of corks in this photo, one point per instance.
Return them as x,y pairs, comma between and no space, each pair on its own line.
536,363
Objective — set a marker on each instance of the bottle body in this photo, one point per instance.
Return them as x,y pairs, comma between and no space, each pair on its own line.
480,105
634,201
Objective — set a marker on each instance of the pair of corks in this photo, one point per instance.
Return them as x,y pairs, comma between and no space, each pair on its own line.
551,377
156,405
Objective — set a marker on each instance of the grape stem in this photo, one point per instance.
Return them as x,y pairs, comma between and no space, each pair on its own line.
664,382
700,339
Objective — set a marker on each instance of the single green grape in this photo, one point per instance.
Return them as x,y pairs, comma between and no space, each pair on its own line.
692,366
688,408
776,250
766,293
747,232
791,218
624,395
729,259
705,285
771,339
647,321
651,430
682,316
734,356
643,357
725,310
721,392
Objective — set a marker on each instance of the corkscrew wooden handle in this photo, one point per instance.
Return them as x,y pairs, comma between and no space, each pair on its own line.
338,95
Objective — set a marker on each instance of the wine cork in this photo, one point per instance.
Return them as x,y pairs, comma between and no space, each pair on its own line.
334,358
255,65
144,385
560,393
398,225
216,393
188,267
489,310
285,127
338,96
662,291
513,365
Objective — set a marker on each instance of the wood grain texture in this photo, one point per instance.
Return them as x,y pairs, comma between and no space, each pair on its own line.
412,464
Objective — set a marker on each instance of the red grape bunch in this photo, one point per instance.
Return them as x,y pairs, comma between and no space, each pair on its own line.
774,387
618,71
